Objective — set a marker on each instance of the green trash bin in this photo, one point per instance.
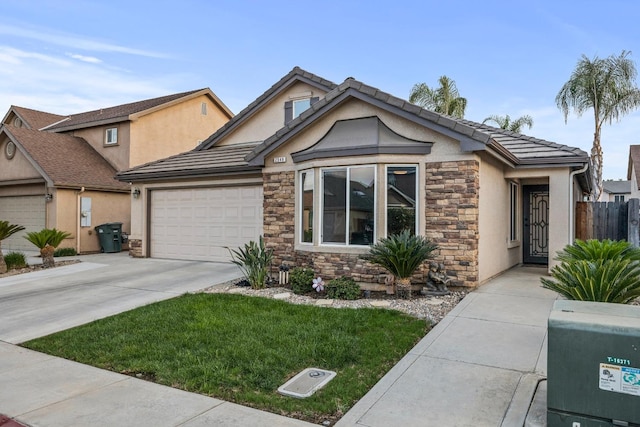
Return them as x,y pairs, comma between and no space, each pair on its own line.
110,237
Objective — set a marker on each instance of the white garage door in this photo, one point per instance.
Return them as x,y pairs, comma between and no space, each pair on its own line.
27,211
200,223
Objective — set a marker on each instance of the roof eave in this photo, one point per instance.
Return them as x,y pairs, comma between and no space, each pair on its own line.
85,125
195,173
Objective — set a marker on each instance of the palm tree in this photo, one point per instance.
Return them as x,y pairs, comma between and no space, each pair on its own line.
505,122
608,86
6,230
444,99
47,240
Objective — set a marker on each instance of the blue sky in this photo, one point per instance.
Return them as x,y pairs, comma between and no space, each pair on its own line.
507,57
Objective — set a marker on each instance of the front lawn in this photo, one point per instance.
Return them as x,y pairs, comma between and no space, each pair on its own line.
241,349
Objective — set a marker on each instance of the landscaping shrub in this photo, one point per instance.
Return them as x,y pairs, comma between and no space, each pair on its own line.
601,271
47,240
343,288
301,280
15,260
65,252
254,261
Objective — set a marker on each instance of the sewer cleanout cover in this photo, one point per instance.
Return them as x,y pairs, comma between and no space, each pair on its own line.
306,383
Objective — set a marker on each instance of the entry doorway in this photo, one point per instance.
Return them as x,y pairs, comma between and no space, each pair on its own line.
535,222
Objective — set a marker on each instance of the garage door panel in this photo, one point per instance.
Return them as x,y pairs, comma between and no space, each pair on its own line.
28,211
200,224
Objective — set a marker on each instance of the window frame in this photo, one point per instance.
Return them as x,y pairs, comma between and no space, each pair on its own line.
386,195
294,102
321,191
107,133
300,208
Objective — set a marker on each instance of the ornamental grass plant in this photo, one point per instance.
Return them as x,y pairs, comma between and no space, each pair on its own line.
597,270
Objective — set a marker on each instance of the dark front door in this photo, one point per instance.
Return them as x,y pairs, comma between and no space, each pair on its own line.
536,224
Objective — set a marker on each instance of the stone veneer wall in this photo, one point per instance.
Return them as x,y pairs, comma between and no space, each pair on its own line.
279,234
452,217
452,222
135,248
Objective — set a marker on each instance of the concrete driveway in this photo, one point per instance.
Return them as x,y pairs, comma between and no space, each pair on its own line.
37,304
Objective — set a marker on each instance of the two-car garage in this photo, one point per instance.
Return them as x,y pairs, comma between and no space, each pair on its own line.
202,223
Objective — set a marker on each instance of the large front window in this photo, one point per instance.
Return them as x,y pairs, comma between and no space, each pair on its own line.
348,205
344,206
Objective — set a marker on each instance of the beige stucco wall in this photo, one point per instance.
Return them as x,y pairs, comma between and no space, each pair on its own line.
64,214
496,252
267,121
116,154
18,168
174,129
635,191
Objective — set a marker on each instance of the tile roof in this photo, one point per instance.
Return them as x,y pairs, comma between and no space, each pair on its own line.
515,147
34,119
296,73
218,160
616,186
66,160
117,113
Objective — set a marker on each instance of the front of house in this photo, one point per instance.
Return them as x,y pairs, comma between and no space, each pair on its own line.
325,170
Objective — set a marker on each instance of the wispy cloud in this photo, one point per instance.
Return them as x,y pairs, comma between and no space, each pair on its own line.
83,58
64,85
74,41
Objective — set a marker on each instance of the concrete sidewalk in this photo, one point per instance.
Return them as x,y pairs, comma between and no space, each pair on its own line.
478,367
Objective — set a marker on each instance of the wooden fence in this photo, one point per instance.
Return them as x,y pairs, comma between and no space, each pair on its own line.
608,220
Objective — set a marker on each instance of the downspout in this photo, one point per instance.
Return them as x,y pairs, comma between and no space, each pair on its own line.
571,202
78,218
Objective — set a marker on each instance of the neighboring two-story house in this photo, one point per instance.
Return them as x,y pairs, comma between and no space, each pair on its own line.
324,170
58,171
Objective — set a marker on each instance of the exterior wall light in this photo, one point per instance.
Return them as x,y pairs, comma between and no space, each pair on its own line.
135,193
48,197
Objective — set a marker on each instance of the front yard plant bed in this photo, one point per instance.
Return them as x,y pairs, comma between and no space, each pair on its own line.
241,349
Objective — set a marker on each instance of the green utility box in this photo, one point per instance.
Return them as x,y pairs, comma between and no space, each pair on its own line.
593,365
110,236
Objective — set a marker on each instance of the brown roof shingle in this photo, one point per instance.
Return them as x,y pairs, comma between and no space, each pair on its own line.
66,160
119,112
34,119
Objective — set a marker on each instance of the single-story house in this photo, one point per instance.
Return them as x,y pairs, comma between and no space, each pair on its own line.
324,170
58,171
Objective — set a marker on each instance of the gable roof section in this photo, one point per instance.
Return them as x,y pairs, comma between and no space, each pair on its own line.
616,186
129,111
33,119
368,135
219,160
634,164
297,74
515,149
64,160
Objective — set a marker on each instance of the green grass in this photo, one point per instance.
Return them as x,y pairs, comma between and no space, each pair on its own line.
241,349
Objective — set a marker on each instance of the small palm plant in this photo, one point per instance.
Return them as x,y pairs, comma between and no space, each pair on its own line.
594,270
47,240
401,255
254,261
6,230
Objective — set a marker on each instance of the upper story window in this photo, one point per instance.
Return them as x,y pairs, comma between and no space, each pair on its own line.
619,198
17,122
203,108
295,107
111,136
